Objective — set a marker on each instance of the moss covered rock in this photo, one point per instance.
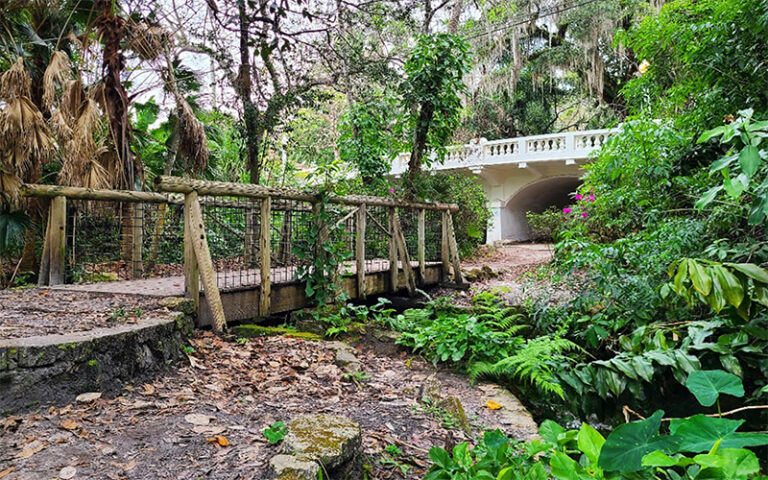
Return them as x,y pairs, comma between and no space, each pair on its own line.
251,331
289,467
329,439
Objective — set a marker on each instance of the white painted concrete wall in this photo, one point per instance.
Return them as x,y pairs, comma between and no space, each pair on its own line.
521,174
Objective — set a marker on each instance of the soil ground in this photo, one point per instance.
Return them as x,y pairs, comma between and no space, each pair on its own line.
236,390
167,428
28,312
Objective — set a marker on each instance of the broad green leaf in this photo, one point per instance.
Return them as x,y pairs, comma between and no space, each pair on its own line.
590,442
709,460
658,459
749,160
700,432
751,270
699,277
707,385
626,446
441,458
733,290
564,467
708,197
711,134
722,162
738,463
550,431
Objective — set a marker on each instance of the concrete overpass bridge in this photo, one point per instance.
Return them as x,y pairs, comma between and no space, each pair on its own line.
521,174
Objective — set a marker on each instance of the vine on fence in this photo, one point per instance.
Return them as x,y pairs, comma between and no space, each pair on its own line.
326,251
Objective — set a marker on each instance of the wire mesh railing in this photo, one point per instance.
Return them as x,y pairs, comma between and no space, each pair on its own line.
247,235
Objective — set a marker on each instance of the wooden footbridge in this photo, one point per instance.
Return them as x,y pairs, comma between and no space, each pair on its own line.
241,251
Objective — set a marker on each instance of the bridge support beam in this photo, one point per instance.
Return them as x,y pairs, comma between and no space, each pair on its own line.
494,232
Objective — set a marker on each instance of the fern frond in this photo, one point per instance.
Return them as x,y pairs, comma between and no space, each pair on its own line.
530,364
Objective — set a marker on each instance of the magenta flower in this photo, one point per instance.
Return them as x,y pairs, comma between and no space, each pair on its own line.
592,198
567,210
584,214
579,196
391,190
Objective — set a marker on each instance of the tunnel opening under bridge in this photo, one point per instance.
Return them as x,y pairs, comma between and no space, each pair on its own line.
535,197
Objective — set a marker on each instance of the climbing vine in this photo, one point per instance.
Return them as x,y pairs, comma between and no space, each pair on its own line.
322,253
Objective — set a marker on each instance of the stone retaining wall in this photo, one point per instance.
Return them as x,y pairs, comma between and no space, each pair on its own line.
55,368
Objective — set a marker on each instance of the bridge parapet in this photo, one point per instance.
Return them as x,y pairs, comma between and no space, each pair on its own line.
556,147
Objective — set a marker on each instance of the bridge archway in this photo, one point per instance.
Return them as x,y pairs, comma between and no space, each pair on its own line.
535,197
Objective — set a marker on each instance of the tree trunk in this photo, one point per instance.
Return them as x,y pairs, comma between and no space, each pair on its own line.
243,88
419,144
115,97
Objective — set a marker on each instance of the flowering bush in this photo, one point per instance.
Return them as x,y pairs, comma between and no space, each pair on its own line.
580,209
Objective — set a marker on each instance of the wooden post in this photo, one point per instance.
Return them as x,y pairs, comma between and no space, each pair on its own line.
45,260
205,264
137,240
57,240
393,270
191,271
360,250
249,257
265,250
454,250
421,246
402,247
445,257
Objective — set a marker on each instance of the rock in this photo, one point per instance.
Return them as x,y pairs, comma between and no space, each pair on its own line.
512,415
479,274
329,439
431,390
345,357
67,472
453,406
179,304
88,397
289,467
198,419
305,321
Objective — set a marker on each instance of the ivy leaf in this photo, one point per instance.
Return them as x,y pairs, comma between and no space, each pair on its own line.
626,446
707,385
749,160
700,432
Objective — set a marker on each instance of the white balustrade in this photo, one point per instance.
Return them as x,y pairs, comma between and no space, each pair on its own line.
566,147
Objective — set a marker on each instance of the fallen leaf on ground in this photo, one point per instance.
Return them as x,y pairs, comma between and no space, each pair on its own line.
88,397
31,449
7,471
492,405
220,440
197,419
67,472
68,424
148,389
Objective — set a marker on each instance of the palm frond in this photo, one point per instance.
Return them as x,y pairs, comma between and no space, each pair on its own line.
55,78
15,82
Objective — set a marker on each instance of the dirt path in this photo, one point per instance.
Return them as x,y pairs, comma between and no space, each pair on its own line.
28,312
238,389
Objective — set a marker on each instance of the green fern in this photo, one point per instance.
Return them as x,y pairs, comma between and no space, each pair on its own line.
530,363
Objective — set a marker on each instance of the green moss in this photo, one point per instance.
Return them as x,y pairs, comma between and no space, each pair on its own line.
93,363
251,331
67,346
